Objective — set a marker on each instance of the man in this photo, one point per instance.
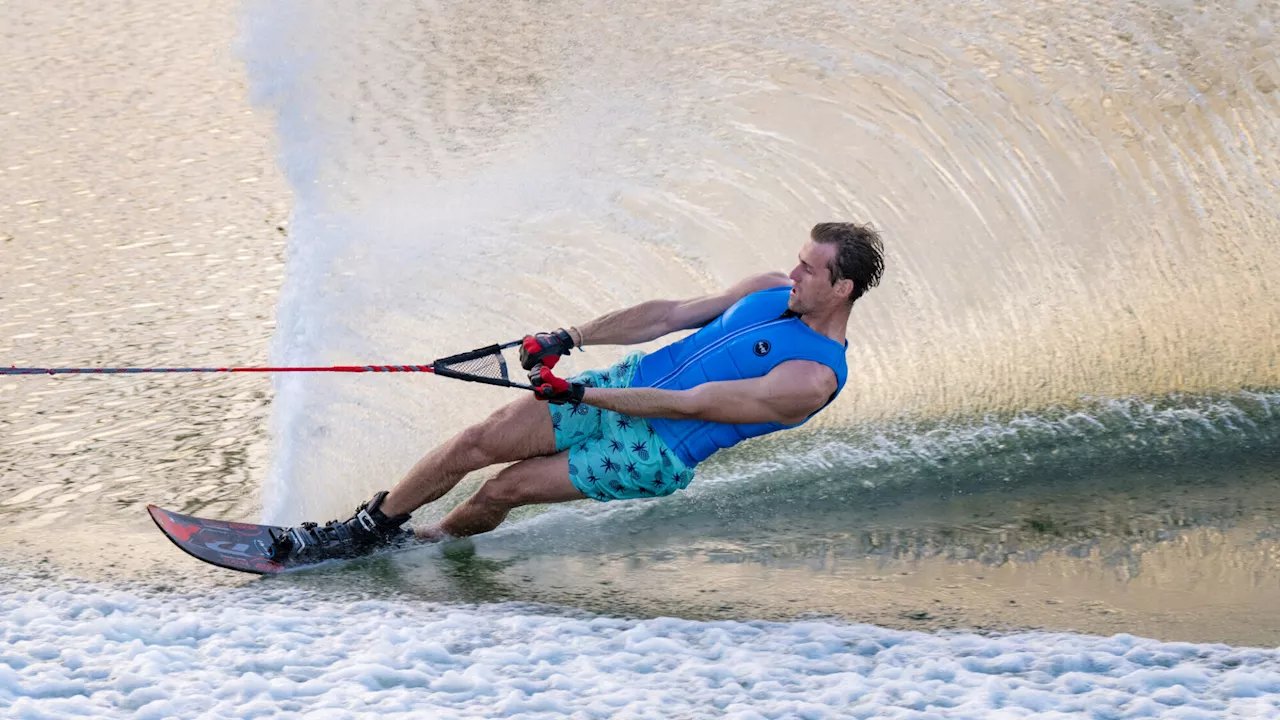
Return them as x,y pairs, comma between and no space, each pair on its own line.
768,355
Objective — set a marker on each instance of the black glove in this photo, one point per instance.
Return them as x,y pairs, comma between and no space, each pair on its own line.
553,389
544,348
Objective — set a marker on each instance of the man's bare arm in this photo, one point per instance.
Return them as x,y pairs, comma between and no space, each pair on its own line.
791,392
651,320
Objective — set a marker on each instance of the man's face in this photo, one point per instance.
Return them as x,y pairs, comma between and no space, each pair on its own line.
811,287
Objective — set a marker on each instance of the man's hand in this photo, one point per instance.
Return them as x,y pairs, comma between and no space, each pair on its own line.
554,390
544,349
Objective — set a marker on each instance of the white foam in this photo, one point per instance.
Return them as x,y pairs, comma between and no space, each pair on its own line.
270,650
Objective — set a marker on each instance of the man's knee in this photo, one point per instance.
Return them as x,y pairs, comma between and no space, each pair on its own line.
502,436
503,490
476,445
483,442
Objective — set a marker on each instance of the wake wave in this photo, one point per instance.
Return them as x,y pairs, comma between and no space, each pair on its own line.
1118,432
816,473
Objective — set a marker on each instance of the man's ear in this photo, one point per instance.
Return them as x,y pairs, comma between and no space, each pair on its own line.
845,288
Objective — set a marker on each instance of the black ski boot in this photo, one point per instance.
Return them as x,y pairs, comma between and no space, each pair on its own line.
361,534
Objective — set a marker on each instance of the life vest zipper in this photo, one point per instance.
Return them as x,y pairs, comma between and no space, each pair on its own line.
708,348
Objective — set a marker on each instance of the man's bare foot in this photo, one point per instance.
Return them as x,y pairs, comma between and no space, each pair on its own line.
430,534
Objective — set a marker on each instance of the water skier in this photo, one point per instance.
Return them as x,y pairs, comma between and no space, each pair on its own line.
769,354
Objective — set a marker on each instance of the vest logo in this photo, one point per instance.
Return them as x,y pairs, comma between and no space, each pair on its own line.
762,347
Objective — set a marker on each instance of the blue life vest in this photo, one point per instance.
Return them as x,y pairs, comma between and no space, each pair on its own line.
746,341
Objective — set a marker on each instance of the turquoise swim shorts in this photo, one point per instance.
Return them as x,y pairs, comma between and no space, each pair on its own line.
614,456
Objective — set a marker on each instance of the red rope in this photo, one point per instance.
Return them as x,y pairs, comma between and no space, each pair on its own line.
112,371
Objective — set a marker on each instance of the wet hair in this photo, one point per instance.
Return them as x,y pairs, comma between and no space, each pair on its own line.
859,254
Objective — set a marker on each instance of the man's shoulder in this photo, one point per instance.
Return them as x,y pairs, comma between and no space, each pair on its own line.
803,369
753,284
699,311
763,281
803,386
805,375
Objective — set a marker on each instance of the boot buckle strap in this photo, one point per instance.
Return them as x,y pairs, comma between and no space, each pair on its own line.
366,520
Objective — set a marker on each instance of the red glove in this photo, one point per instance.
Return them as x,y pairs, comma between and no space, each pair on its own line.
554,390
545,348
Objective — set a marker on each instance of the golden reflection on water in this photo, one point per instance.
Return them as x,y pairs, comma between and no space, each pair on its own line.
142,223
1079,200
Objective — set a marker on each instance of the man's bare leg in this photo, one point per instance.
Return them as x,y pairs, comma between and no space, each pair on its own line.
534,481
519,430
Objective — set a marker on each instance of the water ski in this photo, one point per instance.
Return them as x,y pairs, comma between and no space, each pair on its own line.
231,545
245,546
